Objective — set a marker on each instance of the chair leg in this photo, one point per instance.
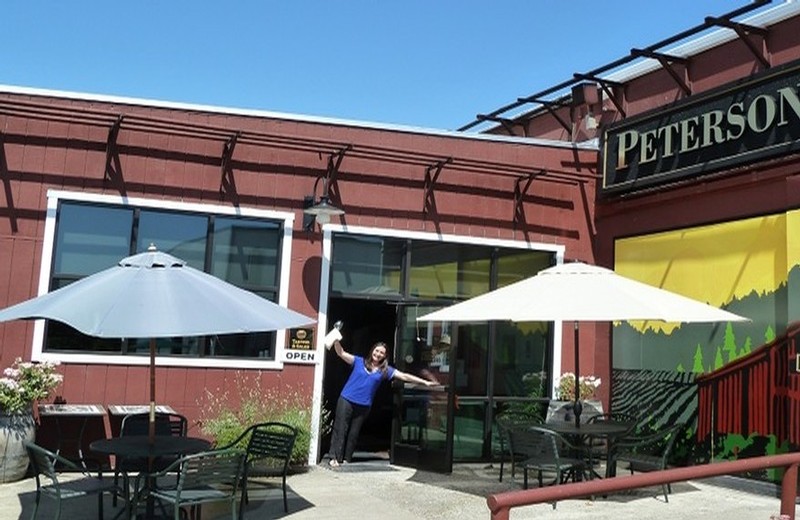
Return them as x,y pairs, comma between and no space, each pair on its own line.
100,505
36,505
525,478
664,488
285,501
116,487
242,500
126,489
501,468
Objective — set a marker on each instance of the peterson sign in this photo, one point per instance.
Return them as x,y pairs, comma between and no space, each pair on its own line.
740,123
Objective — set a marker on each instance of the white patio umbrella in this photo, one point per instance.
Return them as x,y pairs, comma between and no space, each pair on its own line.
156,295
581,292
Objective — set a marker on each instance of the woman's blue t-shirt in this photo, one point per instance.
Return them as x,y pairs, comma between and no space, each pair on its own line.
362,384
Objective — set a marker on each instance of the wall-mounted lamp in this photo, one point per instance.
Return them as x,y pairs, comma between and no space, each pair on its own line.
320,212
323,210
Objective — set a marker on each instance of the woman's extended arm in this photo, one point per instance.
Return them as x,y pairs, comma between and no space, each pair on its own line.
342,353
410,378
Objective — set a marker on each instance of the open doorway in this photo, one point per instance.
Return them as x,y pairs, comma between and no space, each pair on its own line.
365,323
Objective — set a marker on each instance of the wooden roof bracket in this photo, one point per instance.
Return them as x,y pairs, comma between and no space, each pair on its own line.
432,173
743,31
549,106
334,162
666,61
607,87
111,149
519,194
507,124
12,213
227,183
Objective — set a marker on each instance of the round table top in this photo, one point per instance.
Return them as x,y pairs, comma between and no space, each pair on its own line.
141,446
595,429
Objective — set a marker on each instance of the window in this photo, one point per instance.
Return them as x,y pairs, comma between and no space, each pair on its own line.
448,271
243,251
489,365
367,266
521,354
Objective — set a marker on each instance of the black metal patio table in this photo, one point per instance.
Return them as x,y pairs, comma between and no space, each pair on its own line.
142,447
608,430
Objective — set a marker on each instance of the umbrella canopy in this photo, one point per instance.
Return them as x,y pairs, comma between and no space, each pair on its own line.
155,295
580,292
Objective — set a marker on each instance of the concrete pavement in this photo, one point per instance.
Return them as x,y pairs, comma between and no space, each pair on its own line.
375,489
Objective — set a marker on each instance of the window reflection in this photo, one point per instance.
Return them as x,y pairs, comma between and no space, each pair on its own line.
242,251
246,252
367,266
453,271
90,239
179,234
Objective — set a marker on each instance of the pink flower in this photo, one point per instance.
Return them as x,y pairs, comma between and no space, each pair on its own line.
566,386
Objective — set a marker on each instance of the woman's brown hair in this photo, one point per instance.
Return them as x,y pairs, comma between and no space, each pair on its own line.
384,366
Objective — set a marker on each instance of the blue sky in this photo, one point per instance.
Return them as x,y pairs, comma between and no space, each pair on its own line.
427,63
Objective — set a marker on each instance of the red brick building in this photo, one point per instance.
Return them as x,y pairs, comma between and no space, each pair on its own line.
429,218
82,175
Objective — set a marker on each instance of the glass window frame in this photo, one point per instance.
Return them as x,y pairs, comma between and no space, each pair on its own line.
283,220
501,271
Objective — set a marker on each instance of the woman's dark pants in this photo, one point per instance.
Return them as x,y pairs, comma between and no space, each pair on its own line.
346,425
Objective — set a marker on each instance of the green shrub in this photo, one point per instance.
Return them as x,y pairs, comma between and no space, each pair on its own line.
225,417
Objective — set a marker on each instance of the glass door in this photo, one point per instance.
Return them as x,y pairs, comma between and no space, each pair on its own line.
422,426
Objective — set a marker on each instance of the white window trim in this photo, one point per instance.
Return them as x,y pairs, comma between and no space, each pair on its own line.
324,285
53,199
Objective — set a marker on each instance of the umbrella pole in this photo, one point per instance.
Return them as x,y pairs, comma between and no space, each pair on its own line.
151,426
577,406
151,430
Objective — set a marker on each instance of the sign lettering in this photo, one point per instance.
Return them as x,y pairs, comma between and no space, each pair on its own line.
301,347
736,124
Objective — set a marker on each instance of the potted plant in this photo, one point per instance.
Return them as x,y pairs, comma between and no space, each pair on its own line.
22,384
561,409
587,385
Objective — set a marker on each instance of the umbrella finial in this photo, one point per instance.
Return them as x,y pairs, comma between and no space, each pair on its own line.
152,247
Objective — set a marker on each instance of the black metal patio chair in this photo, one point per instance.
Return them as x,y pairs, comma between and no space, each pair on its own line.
545,451
505,423
599,446
648,452
166,424
202,478
268,447
51,466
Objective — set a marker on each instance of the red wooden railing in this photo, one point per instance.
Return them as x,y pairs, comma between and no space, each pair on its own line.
766,382
500,504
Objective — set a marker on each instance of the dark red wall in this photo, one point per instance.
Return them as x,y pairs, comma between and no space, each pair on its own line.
175,154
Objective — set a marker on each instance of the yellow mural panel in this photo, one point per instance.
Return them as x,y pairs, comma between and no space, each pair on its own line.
793,238
710,263
715,263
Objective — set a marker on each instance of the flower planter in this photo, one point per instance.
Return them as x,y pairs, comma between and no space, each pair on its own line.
13,459
562,411
21,385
